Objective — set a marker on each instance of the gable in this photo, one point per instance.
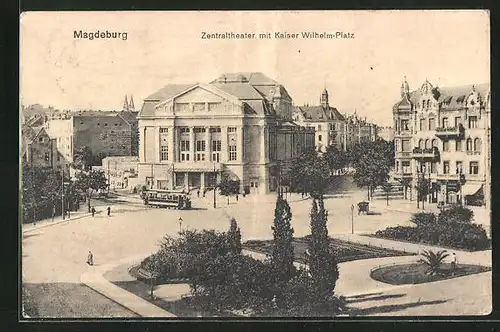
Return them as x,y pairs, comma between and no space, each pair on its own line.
199,95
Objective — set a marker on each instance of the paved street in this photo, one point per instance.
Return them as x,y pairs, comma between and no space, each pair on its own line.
57,253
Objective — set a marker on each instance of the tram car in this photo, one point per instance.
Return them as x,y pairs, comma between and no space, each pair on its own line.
167,199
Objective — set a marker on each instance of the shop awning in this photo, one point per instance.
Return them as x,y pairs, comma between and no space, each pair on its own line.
469,189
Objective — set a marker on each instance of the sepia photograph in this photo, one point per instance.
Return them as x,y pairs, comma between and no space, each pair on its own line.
255,164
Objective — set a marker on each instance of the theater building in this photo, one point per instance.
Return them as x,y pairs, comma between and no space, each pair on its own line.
442,136
238,125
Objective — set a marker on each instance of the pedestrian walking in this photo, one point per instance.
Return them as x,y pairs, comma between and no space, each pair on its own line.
109,211
198,193
204,192
93,211
90,258
453,263
244,194
236,197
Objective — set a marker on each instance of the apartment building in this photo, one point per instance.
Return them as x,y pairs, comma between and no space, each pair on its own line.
442,135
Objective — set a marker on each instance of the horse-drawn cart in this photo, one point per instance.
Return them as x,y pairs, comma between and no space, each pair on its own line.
363,207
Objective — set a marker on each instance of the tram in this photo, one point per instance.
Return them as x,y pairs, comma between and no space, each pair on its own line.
166,198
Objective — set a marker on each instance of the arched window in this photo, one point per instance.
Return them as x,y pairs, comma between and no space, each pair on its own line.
477,144
469,144
435,143
421,143
427,144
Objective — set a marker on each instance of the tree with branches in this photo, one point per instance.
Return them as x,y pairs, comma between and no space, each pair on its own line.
83,159
234,237
90,182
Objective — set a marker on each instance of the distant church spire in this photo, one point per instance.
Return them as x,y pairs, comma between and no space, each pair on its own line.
131,104
125,104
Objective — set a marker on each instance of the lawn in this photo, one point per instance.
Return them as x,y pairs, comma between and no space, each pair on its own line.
345,251
415,273
69,300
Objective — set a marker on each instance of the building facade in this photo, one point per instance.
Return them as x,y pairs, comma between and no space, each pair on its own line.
358,130
327,121
333,128
105,133
38,149
121,172
238,125
442,136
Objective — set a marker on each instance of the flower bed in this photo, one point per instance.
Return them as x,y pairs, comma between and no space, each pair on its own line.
416,273
344,251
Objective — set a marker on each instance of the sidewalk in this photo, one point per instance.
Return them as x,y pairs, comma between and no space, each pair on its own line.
477,257
94,279
75,215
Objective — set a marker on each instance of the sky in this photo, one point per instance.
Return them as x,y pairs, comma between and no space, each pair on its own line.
363,73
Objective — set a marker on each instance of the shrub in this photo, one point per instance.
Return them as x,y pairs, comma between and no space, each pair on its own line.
456,213
235,282
423,218
446,233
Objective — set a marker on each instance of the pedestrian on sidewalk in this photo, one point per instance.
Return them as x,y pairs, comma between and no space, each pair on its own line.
244,194
90,258
93,211
109,211
204,192
453,263
236,197
198,193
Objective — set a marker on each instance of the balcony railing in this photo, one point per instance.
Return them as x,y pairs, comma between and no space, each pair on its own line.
431,153
456,131
403,154
403,174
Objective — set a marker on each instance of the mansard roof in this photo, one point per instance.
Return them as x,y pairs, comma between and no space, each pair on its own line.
447,97
319,113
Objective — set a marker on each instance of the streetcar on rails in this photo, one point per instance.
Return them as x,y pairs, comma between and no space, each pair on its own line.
171,199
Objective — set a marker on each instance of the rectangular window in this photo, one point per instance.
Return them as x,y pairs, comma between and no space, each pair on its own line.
216,149
319,138
215,129
445,122
458,121
404,125
199,130
406,166
231,129
232,152
184,150
184,130
474,167
200,150
405,145
164,153
433,168
472,121
432,124
446,146
319,127
163,130
422,124
446,167
459,145
459,168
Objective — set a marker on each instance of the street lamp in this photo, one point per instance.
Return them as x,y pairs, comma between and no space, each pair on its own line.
215,186
180,224
352,218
